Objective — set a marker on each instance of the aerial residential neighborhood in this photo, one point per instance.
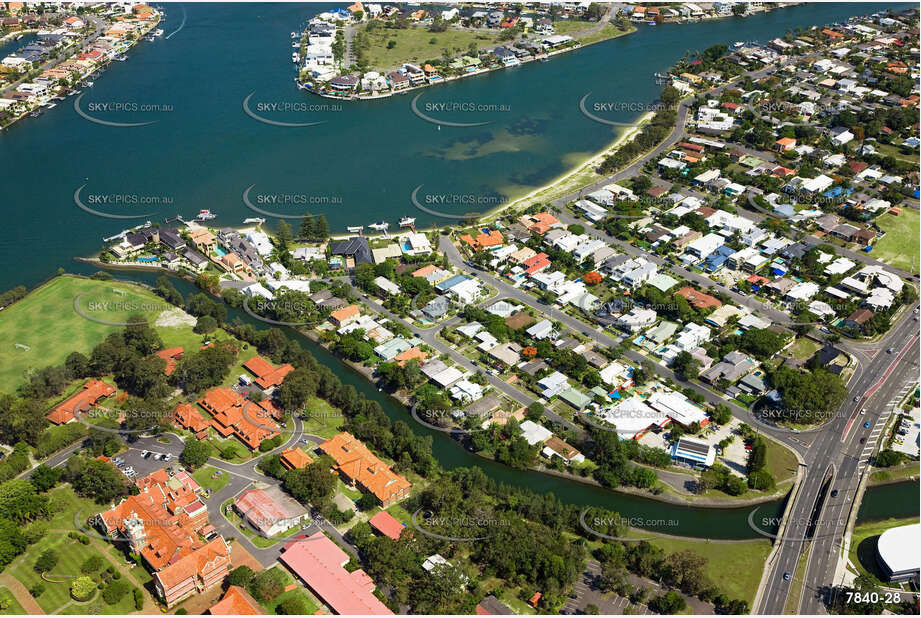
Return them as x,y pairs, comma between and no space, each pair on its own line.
574,355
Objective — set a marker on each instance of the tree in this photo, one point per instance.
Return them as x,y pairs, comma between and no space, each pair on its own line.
46,561
283,236
240,576
205,324
669,603
296,389
82,588
44,477
307,228
311,484
293,606
321,230
686,366
267,585
195,453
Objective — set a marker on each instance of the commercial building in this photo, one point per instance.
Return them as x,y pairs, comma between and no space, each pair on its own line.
270,511
897,553
696,453
320,564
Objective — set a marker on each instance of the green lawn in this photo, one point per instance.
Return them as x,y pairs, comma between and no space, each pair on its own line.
734,567
8,603
884,475
324,419
203,476
47,322
900,245
863,545
781,462
803,348
414,44
71,555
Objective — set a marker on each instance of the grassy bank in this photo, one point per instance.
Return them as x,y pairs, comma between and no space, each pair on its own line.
900,245
862,553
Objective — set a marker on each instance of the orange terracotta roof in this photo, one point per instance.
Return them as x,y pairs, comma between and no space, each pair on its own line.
188,417
294,458
236,602
267,376
199,564
425,270
412,353
385,523
226,407
698,299
362,467
92,392
340,315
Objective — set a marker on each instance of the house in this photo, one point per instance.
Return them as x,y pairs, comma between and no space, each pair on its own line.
194,573
554,447
386,524
270,511
265,375
553,384
541,330
733,366
361,468
236,602
858,319
534,433
295,458
81,402
698,299
345,316
785,144
355,250
203,240
320,564
678,408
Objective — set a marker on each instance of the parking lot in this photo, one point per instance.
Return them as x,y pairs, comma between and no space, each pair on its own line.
138,463
733,458
907,442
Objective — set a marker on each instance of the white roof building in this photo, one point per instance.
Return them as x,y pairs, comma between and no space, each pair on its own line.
677,407
554,384
632,417
534,433
388,286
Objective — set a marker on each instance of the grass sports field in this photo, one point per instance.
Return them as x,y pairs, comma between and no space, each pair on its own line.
44,327
900,245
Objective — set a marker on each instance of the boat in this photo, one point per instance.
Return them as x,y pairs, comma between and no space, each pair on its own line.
205,215
295,44
355,229
380,226
158,32
295,57
294,35
50,105
407,221
90,84
256,220
20,36
121,58
35,114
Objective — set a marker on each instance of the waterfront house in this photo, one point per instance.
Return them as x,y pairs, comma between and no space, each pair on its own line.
343,84
360,468
397,80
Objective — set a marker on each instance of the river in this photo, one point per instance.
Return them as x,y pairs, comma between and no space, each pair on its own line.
359,166
203,151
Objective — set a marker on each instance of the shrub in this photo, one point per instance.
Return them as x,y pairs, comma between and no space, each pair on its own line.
83,588
138,599
37,590
115,591
91,565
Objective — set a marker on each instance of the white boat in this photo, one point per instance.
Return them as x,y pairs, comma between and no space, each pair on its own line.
205,215
294,35
355,229
380,226
295,45
20,36
295,57
256,220
407,221
158,32
89,84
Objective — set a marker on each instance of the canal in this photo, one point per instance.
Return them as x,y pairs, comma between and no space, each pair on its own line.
892,500
712,523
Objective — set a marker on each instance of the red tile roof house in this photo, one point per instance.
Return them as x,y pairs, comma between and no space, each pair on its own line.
236,602
81,402
266,375
171,356
320,563
387,524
